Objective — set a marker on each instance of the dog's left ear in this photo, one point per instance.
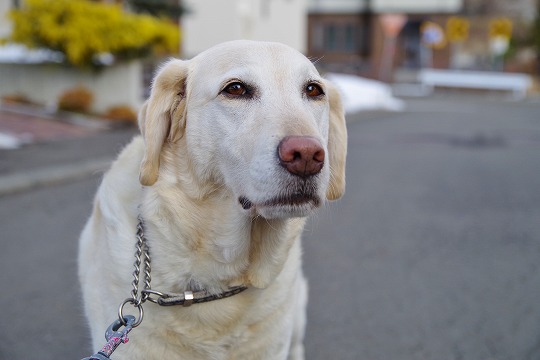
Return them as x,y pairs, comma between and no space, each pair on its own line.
162,117
337,144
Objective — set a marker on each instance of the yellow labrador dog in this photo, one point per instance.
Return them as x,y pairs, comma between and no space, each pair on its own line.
239,145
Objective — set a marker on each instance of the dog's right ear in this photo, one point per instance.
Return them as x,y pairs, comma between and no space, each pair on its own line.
337,144
162,117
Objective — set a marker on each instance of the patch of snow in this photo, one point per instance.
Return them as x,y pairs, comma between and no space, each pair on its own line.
9,142
361,94
20,54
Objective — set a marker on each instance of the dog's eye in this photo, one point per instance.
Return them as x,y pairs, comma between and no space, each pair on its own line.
314,90
235,89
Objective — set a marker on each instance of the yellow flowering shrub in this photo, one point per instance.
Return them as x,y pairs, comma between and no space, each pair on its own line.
82,30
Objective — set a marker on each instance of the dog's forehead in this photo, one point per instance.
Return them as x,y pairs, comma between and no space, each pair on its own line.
252,56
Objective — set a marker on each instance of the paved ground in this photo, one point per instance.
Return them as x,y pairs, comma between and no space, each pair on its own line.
432,254
46,191
71,148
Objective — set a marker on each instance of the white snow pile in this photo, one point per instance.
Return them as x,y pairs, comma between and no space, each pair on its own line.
9,142
20,54
360,94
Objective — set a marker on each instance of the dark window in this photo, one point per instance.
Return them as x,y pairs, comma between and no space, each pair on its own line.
350,38
337,37
330,37
411,45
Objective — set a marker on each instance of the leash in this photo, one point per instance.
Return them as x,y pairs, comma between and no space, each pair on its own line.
117,332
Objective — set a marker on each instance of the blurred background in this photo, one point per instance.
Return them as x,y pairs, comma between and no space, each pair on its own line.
433,252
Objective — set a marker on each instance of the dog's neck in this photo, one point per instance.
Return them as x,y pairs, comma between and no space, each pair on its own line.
212,243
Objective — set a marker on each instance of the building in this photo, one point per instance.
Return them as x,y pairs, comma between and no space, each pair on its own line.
347,35
5,26
210,22
475,52
517,9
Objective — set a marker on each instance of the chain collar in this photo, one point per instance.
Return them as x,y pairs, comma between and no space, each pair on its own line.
187,298
115,335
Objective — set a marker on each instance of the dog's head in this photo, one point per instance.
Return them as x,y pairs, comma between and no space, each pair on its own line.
256,119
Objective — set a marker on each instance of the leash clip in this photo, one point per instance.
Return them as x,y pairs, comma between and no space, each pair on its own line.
114,337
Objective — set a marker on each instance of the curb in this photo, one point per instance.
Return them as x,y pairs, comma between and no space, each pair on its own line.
89,121
14,183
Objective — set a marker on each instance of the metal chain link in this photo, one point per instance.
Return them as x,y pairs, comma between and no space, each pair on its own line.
142,255
142,251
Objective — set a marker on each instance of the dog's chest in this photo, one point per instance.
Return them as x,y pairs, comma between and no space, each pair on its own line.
226,330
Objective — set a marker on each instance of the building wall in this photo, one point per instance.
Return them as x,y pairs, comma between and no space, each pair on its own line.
522,9
5,26
337,6
340,42
211,22
416,6
44,83
385,6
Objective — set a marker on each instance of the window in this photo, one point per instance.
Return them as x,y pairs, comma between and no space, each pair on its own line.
337,37
330,37
350,40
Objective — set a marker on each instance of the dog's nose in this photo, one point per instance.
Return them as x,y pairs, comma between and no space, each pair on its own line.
301,155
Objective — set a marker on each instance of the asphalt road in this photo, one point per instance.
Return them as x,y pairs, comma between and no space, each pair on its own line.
432,254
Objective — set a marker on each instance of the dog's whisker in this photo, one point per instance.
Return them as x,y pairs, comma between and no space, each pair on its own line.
315,60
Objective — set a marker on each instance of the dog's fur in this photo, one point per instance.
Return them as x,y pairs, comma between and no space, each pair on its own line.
201,152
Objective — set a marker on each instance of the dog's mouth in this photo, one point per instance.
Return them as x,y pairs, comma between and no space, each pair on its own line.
291,200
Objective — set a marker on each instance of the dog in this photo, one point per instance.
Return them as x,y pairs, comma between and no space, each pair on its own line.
239,145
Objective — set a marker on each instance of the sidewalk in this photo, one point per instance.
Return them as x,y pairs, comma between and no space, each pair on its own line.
56,150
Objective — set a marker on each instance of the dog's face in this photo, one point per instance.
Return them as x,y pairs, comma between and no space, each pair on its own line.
257,119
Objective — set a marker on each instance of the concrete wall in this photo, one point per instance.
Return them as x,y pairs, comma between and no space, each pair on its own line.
5,24
337,6
43,83
214,21
417,6
384,6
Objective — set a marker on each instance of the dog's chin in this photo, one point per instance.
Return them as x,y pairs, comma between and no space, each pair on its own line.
282,206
